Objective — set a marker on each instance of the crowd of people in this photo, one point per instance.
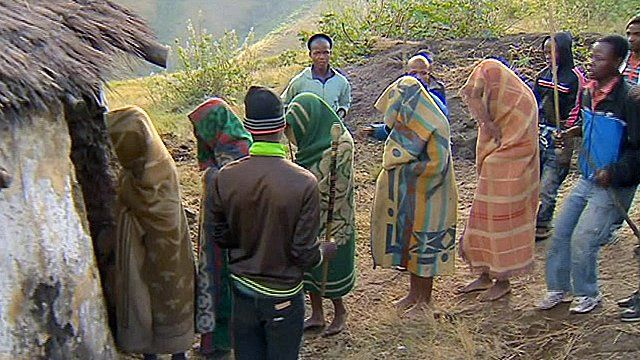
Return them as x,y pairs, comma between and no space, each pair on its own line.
277,221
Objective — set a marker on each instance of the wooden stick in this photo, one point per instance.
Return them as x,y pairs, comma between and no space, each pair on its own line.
554,64
336,131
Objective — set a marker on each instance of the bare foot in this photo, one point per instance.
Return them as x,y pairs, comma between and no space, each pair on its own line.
481,283
337,325
498,290
419,311
313,323
406,302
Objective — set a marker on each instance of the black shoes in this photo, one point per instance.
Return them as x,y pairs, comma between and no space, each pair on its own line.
631,305
628,302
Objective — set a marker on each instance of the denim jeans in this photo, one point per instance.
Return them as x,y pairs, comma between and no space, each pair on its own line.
581,226
551,177
266,327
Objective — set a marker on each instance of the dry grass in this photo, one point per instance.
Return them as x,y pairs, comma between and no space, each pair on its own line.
508,329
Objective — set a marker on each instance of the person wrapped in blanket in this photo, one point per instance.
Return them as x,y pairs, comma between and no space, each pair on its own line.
154,257
419,66
221,139
309,123
554,168
413,221
609,163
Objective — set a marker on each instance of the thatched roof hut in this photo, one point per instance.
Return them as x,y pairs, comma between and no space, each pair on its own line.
56,189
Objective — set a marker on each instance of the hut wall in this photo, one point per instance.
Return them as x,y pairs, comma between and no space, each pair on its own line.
91,155
51,303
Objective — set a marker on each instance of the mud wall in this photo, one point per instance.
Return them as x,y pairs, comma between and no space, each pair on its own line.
91,155
51,303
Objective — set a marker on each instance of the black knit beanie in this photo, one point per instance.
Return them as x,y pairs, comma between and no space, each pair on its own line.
264,112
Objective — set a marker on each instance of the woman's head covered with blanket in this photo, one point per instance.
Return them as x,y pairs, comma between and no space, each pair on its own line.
221,136
499,90
137,143
309,120
407,102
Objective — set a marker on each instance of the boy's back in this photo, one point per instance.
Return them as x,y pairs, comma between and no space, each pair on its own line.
271,207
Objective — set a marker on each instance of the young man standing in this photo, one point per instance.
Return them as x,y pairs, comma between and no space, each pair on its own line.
554,168
266,211
320,78
631,305
608,163
632,70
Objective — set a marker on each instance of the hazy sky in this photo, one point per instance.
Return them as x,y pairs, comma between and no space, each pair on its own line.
169,17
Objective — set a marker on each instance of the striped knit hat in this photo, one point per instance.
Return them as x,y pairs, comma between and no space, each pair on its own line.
264,111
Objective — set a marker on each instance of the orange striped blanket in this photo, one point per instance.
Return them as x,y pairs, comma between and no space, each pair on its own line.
499,238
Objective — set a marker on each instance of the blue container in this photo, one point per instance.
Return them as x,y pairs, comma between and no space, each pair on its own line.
603,135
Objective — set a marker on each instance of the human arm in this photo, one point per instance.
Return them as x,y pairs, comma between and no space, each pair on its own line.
472,93
290,92
626,172
487,127
214,220
305,247
574,114
344,100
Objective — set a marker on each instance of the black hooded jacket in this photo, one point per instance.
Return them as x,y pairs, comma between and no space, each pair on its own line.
568,85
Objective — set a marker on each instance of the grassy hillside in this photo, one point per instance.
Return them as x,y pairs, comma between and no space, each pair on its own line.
169,17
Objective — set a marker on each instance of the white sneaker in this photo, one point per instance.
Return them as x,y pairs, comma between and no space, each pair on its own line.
553,299
585,304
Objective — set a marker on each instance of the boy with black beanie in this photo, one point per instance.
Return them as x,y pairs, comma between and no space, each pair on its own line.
266,211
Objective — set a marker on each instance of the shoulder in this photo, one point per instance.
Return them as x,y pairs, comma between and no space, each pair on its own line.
293,173
341,77
633,94
301,172
230,167
302,75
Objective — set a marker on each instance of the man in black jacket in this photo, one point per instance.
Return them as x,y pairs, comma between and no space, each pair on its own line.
554,168
609,165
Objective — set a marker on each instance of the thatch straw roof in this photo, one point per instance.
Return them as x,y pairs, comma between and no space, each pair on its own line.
50,49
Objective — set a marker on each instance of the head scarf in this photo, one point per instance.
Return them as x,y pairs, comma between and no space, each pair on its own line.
311,120
221,136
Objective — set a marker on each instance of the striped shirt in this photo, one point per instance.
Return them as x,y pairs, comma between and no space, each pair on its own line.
632,70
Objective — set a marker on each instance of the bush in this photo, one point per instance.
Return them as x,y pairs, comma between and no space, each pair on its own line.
357,25
207,67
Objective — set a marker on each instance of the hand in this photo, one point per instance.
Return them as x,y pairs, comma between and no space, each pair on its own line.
560,137
329,249
493,131
603,178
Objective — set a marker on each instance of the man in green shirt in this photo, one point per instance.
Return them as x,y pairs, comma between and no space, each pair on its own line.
320,78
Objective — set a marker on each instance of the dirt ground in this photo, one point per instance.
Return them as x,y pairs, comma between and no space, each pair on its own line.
507,329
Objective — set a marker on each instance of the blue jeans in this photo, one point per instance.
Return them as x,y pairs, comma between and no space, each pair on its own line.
266,327
580,228
551,177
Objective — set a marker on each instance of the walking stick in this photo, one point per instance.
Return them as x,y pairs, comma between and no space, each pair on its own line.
336,131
